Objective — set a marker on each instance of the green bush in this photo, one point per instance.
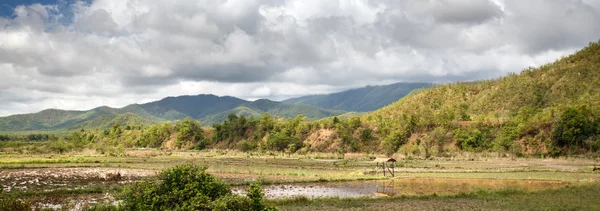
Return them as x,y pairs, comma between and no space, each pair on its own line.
245,145
574,127
61,146
155,135
232,202
280,141
188,130
102,207
187,187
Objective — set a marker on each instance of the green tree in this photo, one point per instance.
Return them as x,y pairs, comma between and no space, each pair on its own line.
155,135
575,126
116,130
280,141
61,146
188,130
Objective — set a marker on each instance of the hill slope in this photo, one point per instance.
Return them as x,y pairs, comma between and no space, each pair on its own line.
209,108
258,107
555,107
570,81
363,99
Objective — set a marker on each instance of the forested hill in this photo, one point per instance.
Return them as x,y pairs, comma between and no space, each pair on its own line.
258,107
533,107
364,99
208,108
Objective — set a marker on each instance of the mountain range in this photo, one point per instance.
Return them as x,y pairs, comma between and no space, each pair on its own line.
364,99
210,109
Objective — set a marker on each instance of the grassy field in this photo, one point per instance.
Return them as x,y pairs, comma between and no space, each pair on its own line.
577,197
78,177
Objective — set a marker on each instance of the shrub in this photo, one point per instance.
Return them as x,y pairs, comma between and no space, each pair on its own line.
188,130
280,141
574,127
155,135
186,187
245,145
232,202
61,146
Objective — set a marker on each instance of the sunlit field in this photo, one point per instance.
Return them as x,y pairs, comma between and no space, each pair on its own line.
319,180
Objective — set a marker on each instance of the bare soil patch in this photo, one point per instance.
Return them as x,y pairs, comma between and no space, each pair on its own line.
54,178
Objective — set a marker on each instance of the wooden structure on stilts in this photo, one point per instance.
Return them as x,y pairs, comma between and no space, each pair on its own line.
387,164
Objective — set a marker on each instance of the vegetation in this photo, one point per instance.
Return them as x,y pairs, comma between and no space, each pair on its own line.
578,197
547,111
189,187
11,203
550,110
209,109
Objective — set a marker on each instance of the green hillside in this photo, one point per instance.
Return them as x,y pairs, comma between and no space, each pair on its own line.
535,92
108,120
197,107
364,99
539,110
547,111
50,119
208,108
259,107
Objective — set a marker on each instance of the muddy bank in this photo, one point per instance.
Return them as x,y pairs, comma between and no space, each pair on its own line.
54,178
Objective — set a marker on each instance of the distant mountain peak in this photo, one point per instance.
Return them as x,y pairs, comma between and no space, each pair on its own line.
368,98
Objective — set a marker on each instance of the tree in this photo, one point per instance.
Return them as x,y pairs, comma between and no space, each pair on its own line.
266,122
116,130
60,146
155,135
393,141
575,126
188,130
280,141
336,120
439,137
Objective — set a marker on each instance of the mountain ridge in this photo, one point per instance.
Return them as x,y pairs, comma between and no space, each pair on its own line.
208,108
363,99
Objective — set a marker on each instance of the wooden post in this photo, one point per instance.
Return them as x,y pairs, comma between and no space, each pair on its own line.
384,169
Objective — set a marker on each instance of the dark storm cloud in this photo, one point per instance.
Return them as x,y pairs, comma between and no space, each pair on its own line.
84,54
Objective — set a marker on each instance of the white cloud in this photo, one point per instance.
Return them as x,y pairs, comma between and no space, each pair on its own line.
117,52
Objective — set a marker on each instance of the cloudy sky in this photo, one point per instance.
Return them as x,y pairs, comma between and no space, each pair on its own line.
72,54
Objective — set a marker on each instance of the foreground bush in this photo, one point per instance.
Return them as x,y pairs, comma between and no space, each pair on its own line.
189,187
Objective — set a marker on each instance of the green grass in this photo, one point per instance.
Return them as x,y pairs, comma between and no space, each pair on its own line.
237,166
563,176
577,197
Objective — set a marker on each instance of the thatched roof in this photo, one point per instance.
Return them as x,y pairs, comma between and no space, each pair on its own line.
381,160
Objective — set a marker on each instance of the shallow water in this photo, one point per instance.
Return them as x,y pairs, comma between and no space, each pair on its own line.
401,186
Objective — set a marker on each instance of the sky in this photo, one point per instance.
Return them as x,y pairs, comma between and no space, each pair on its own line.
77,55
